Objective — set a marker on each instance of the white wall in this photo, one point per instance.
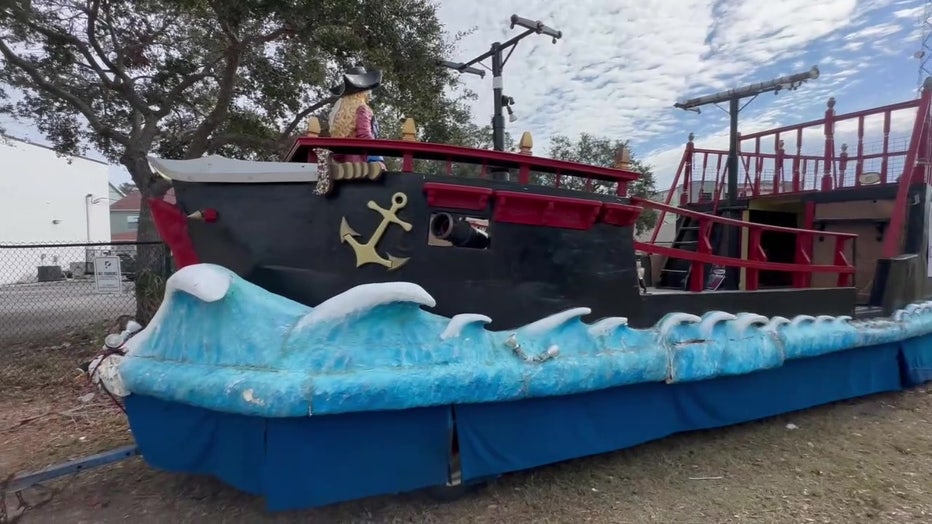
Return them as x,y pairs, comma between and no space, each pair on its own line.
43,200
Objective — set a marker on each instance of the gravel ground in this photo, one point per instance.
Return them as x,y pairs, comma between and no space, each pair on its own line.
866,460
33,312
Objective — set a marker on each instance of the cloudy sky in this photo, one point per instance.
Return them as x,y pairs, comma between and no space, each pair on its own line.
621,64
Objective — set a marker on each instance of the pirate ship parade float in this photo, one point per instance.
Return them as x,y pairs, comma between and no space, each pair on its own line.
344,324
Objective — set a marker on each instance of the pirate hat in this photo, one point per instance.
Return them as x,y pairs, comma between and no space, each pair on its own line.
357,79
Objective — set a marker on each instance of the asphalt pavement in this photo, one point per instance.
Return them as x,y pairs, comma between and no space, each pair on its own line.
29,312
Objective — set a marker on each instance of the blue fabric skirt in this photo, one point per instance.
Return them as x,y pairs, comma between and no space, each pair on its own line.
318,460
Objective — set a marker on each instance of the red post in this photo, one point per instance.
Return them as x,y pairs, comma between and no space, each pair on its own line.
919,174
703,247
844,279
828,157
804,244
894,234
755,253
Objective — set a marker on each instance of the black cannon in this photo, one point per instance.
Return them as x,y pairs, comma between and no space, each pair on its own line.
458,231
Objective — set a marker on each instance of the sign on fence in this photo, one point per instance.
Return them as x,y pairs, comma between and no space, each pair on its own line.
107,274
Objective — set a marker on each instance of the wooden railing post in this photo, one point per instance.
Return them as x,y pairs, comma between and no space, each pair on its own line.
828,157
778,165
842,165
622,161
409,130
685,196
313,127
409,133
525,145
798,182
312,131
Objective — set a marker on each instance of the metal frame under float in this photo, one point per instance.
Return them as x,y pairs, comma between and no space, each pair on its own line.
27,480
16,484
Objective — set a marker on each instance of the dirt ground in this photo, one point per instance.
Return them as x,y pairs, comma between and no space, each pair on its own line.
867,460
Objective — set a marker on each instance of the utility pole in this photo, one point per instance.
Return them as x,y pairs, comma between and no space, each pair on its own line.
499,100
733,97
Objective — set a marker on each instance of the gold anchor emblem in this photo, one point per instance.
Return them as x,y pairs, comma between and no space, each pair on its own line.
366,253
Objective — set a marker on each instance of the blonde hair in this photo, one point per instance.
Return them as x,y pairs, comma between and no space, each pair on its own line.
342,120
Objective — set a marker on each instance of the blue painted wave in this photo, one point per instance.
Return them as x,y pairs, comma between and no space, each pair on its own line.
222,343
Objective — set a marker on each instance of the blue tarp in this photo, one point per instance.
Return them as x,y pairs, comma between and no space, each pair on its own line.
297,462
318,460
502,437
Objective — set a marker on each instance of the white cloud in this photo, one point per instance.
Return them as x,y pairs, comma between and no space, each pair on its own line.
621,65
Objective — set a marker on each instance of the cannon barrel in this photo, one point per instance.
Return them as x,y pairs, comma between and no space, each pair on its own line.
457,231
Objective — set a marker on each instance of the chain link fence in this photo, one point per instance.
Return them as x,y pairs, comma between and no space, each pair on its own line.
47,290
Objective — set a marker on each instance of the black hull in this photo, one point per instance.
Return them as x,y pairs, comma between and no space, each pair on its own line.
286,239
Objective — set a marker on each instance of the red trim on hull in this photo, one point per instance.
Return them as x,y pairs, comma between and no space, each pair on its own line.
531,209
456,196
172,225
542,210
620,214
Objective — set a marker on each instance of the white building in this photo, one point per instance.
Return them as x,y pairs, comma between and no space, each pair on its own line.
48,199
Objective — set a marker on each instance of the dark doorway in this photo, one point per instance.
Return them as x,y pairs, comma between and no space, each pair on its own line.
779,247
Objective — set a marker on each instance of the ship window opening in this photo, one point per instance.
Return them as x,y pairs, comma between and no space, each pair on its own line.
452,230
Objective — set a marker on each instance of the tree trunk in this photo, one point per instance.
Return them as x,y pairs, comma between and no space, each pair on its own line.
153,260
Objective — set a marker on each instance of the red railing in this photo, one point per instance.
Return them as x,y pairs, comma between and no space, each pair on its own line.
525,164
510,206
803,157
757,261
915,171
903,160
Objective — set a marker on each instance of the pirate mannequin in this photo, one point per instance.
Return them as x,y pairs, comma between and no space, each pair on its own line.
351,116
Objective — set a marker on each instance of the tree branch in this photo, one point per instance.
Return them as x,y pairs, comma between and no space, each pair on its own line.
199,140
82,50
40,81
305,113
126,83
169,99
243,140
271,36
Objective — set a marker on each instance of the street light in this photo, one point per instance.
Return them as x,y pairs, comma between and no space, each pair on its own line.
90,200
